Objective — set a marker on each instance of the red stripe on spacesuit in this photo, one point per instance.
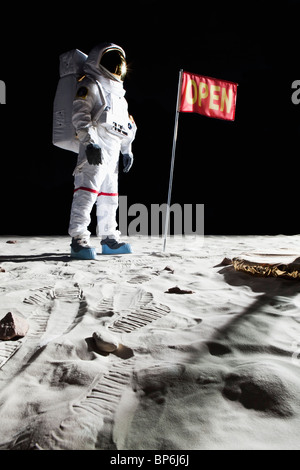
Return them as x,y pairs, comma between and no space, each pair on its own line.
94,191
108,194
86,189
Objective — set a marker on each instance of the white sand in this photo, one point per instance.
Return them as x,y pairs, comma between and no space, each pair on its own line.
215,369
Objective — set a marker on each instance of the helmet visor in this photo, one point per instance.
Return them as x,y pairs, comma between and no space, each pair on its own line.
114,61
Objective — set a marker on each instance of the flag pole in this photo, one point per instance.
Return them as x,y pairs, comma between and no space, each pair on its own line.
172,159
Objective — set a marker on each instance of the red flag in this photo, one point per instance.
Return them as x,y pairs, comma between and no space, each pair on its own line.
208,96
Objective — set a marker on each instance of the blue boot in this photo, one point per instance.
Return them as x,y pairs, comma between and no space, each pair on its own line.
110,246
80,249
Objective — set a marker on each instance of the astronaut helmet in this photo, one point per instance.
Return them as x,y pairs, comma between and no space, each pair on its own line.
113,60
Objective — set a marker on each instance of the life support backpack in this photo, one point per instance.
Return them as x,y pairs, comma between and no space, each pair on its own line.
63,131
70,71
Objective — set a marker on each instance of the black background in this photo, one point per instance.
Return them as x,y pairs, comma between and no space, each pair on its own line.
245,172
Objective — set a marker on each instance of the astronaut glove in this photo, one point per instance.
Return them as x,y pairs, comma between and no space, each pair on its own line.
93,154
127,162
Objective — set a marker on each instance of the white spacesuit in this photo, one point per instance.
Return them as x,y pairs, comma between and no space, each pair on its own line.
104,129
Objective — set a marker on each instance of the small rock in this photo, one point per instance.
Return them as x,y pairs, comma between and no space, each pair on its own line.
105,341
177,290
224,262
12,326
12,241
2,270
169,268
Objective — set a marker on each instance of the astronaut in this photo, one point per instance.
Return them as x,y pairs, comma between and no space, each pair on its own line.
104,129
